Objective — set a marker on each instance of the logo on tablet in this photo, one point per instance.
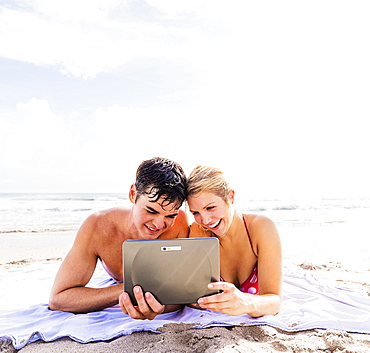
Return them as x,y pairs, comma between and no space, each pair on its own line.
171,248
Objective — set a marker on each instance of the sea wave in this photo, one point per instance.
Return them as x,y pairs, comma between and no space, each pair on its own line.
38,213
304,205
63,209
41,230
88,197
286,208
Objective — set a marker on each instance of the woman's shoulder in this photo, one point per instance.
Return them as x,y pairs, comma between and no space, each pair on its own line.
259,225
256,219
197,231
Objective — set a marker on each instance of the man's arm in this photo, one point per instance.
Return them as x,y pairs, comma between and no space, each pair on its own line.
69,292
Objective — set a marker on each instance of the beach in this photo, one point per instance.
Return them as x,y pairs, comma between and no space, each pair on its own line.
335,252
179,339
22,248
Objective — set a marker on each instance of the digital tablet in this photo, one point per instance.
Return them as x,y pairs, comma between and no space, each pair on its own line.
175,271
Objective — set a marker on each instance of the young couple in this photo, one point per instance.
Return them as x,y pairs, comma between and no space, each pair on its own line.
250,250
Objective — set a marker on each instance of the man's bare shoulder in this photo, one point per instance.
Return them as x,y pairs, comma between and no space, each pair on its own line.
109,215
105,220
100,231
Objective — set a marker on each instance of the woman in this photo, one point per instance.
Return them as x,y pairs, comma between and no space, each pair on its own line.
250,250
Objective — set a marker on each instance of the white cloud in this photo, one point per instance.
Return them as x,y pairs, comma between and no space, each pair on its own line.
76,10
101,151
280,98
84,38
38,137
79,49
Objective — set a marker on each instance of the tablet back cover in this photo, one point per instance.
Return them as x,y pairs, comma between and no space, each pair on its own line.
175,271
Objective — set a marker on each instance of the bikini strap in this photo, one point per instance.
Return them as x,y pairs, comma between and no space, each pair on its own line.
249,237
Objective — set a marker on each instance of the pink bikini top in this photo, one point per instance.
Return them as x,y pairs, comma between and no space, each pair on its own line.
251,284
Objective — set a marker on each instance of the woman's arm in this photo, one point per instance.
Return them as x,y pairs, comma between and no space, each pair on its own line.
232,301
266,236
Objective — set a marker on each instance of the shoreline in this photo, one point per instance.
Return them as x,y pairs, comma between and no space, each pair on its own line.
327,264
25,250
24,247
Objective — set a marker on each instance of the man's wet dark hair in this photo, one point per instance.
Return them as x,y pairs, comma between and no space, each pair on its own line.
161,178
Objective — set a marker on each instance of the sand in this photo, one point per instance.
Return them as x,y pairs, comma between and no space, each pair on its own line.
21,249
217,339
28,247
180,338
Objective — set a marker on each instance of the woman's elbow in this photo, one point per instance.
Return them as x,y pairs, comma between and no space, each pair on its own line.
278,308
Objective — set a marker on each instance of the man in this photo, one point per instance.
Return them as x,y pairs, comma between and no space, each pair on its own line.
156,197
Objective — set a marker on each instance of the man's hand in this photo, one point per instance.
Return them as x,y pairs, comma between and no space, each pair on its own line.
148,307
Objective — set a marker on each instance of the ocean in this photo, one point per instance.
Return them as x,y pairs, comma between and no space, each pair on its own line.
62,212
310,227
52,212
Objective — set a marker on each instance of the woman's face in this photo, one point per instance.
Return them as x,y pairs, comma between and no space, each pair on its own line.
212,212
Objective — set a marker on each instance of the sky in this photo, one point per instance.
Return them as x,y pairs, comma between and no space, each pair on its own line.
274,93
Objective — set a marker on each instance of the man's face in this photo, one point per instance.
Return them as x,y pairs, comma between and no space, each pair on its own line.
151,219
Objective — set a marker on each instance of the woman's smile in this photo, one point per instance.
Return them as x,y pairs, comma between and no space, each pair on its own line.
216,225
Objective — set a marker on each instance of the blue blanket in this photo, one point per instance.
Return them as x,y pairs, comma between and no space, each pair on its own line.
307,304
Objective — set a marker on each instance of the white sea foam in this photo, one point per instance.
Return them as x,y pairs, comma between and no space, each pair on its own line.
314,227
51,212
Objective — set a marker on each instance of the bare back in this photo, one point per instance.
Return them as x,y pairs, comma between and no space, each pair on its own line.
103,233
111,231
100,238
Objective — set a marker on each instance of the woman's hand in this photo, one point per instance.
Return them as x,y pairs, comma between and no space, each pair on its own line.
195,306
148,307
230,301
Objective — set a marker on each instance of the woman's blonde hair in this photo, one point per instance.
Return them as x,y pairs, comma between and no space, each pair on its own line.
208,179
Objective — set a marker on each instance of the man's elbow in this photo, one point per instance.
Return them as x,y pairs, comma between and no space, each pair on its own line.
55,304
